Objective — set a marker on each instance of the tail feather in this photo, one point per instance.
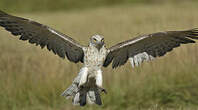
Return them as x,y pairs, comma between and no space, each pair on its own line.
80,96
83,98
76,99
91,97
70,91
94,97
98,99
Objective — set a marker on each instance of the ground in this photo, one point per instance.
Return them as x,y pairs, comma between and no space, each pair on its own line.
33,79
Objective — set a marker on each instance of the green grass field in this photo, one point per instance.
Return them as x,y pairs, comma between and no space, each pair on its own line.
33,79
50,5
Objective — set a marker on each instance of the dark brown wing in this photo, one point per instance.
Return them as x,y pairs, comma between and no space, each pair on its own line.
147,47
42,35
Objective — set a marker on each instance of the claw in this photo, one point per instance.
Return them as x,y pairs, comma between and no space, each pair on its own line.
102,90
81,84
80,88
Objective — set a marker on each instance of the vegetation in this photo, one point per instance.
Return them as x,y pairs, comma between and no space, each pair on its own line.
33,79
51,5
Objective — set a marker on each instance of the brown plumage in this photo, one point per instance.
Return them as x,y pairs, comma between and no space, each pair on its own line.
42,35
155,45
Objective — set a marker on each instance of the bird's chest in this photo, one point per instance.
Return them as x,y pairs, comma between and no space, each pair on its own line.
95,58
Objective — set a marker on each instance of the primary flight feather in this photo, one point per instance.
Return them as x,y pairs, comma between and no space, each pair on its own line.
87,86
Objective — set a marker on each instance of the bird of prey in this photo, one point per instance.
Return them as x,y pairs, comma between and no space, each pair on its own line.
87,86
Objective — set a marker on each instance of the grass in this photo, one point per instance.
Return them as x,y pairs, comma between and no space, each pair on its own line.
33,79
50,5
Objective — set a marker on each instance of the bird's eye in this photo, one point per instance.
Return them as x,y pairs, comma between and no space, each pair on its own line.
102,40
94,40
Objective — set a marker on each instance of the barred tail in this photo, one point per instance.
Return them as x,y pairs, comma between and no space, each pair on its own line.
85,96
95,95
71,91
82,96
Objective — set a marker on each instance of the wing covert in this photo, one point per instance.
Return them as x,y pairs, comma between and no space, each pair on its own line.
42,35
148,47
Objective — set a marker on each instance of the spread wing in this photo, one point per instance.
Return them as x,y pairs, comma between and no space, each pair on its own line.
42,35
148,47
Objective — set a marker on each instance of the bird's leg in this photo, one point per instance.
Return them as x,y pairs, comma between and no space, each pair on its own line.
99,81
83,78
99,78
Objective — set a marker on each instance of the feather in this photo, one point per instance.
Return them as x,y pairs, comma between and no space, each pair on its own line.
147,47
42,35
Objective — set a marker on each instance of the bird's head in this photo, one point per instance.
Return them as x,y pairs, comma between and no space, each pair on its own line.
97,41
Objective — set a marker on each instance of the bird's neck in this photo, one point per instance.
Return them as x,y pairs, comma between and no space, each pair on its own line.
92,46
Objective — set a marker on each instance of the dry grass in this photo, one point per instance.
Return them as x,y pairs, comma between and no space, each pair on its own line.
33,79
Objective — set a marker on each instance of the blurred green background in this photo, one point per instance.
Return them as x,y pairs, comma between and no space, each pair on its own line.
51,5
33,79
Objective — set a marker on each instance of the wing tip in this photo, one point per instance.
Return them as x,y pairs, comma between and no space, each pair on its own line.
193,34
2,13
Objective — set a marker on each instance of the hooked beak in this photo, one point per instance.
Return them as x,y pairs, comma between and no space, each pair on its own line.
99,45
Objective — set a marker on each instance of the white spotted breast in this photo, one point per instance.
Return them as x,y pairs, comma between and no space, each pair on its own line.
94,59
